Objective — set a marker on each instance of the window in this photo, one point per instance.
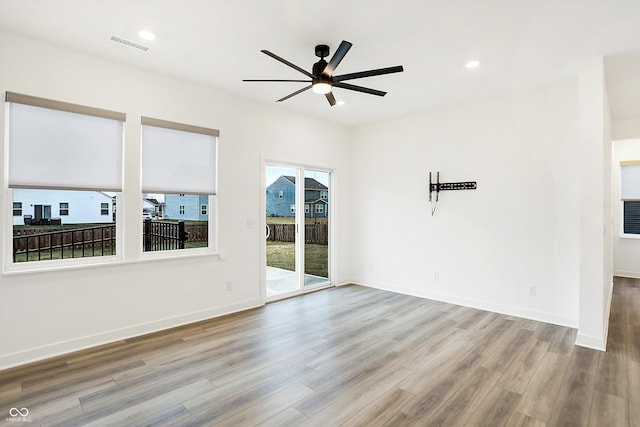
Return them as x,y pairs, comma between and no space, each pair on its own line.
280,194
179,169
630,195
17,208
631,215
292,208
324,194
62,151
306,209
319,208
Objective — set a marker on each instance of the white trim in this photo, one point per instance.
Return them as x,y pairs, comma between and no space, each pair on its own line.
594,343
606,317
64,347
628,274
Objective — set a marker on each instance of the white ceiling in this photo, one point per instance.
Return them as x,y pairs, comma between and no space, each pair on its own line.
520,43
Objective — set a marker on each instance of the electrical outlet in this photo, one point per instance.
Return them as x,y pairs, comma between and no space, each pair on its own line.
532,290
229,286
436,276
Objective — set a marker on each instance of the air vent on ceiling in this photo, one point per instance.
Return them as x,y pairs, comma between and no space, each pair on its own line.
129,43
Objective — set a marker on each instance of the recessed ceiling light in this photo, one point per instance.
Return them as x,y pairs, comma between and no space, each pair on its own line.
147,35
472,64
339,102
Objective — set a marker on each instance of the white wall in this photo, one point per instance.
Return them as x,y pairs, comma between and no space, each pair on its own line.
596,216
487,246
43,314
626,260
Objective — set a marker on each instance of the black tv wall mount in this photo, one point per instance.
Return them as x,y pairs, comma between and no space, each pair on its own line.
437,187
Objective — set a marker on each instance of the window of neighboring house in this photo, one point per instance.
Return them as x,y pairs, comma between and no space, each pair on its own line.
104,208
324,194
17,208
292,208
179,165
280,194
630,196
306,209
319,208
90,142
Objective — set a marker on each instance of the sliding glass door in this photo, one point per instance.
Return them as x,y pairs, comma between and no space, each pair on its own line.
297,230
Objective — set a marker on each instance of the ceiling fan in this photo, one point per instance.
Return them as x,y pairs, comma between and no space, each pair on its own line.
322,78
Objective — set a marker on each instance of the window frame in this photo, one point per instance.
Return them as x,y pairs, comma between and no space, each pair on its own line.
8,266
624,235
63,211
212,199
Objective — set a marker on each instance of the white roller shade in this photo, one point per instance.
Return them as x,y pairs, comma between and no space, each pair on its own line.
630,180
178,158
59,149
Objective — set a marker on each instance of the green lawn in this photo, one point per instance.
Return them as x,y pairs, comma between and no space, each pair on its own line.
282,255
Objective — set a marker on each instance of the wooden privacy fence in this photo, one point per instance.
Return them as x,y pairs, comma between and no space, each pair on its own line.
313,233
32,245
36,244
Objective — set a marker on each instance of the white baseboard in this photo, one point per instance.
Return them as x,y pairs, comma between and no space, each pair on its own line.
56,349
523,312
595,343
628,274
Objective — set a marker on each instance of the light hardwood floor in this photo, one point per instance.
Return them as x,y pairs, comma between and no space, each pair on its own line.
348,356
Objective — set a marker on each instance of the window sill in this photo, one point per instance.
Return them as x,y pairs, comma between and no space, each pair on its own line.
58,265
81,263
630,236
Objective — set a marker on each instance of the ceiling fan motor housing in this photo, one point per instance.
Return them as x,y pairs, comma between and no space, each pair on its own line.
322,50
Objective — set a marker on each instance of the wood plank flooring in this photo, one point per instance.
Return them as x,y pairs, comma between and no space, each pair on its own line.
348,356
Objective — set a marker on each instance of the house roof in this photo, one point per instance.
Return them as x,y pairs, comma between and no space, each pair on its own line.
309,183
314,201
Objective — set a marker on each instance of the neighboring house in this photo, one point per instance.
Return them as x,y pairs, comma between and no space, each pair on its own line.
71,207
192,207
153,207
281,197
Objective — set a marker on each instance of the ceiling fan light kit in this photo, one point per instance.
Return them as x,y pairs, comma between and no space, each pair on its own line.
322,80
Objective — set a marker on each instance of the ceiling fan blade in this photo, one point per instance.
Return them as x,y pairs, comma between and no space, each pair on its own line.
331,98
294,93
369,73
359,88
336,58
284,61
254,80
